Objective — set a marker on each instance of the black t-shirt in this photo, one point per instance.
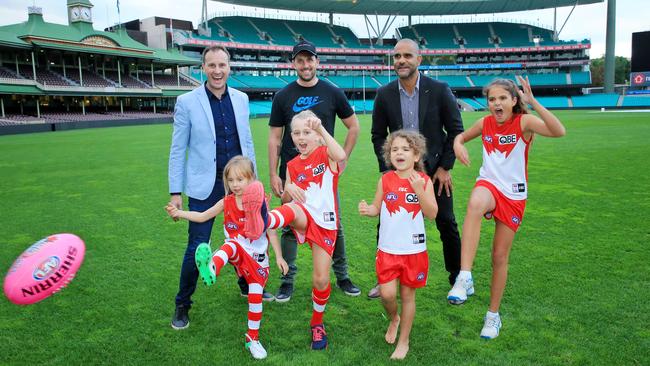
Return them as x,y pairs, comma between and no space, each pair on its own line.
324,99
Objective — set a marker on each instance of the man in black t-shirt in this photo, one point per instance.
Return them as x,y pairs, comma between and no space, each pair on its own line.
327,102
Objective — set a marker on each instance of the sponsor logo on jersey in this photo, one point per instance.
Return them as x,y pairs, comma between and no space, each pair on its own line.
412,198
231,226
418,238
516,220
488,139
318,170
507,139
420,277
304,103
261,272
329,216
259,257
518,187
301,177
391,197
328,242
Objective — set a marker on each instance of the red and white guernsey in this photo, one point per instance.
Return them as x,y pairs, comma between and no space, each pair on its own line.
233,225
320,183
401,228
505,157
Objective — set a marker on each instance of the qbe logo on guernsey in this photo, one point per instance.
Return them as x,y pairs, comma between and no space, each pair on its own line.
507,139
412,198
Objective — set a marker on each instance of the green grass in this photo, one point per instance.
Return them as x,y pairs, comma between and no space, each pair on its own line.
577,292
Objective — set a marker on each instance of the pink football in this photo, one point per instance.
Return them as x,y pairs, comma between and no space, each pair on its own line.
44,268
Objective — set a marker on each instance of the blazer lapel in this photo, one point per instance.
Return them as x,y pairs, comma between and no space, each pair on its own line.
205,103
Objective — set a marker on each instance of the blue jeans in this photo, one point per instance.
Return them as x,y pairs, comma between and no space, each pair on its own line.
197,234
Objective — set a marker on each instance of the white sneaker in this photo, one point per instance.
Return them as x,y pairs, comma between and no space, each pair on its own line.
491,327
256,349
463,287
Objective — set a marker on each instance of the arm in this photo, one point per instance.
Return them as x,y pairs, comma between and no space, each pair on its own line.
379,130
374,208
352,123
195,216
275,143
334,151
180,140
453,124
425,195
548,125
459,142
275,244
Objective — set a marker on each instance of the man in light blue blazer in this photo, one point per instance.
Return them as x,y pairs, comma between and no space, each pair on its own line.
210,127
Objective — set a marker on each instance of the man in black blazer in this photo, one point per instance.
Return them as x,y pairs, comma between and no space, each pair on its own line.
414,101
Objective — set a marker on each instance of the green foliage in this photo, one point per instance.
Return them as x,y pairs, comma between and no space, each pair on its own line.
576,293
622,69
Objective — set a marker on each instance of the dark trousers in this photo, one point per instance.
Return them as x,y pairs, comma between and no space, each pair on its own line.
448,228
197,234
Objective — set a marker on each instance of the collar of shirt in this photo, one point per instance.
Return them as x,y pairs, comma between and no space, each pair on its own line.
415,90
211,95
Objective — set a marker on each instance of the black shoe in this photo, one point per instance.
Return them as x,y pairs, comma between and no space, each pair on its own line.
284,293
266,296
348,287
181,319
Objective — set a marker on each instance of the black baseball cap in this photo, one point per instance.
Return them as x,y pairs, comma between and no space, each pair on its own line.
303,46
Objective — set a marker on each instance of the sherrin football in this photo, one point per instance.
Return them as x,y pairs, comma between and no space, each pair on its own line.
44,268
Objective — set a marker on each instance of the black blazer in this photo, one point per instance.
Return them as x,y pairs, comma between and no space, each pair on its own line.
438,118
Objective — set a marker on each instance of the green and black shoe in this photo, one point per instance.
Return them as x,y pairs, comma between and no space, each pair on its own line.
205,264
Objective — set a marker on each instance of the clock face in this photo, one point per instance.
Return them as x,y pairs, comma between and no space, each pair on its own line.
75,13
85,13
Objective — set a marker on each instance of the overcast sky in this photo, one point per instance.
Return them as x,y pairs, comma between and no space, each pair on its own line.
587,21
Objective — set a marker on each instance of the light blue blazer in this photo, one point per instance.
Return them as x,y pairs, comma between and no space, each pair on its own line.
194,138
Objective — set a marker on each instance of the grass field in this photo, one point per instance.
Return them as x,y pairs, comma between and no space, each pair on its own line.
577,292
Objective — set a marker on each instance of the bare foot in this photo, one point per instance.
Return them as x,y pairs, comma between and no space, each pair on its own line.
400,351
391,332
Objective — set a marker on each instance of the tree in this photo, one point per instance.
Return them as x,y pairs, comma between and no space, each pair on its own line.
621,70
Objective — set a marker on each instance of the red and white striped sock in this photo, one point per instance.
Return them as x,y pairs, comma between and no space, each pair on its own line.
281,216
227,252
319,298
254,309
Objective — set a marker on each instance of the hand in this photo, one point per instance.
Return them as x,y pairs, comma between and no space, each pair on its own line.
282,265
417,182
444,178
296,193
276,185
172,211
314,124
461,153
342,165
527,95
364,208
176,200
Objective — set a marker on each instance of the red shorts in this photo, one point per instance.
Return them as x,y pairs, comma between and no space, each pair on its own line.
315,234
247,267
506,210
411,269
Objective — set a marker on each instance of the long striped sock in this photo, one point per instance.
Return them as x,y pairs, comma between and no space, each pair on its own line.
319,298
281,216
254,309
227,252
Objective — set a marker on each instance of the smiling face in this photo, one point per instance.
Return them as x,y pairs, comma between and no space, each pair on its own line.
217,69
500,103
304,137
406,59
237,181
305,65
402,155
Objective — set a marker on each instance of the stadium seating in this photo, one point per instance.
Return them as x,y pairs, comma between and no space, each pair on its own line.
554,102
436,35
360,107
547,79
259,82
353,82
275,29
349,38
581,77
636,101
6,73
512,35
473,103
595,100
260,107
241,29
315,32
454,81
476,35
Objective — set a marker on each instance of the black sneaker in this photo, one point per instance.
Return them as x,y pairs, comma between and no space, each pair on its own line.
284,293
348,287
181,319
266,296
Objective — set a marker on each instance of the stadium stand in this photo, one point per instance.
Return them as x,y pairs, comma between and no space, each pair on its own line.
241,29
435,35
636,101
595,100
475,35
554,102
348,37
275,30
581,77
315,32
260,82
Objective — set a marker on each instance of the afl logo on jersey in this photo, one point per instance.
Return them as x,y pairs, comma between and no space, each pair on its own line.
488,139
301,177
412,198
516,220
261,272
231,226
420,277
327,242
390,197
507,139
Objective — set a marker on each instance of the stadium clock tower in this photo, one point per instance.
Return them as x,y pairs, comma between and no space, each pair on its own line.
79,11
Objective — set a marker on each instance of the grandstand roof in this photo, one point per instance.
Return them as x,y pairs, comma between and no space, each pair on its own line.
410,7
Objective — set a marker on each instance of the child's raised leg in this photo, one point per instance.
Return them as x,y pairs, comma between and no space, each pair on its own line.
209,265
407,295
320,295
388,293
288,214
